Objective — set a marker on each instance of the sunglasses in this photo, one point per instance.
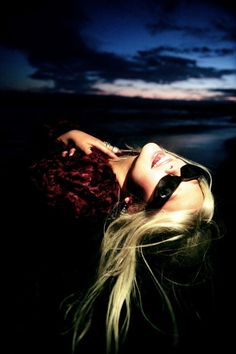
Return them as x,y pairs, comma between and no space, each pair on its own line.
169,183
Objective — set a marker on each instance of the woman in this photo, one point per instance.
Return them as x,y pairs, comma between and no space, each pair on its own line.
155,210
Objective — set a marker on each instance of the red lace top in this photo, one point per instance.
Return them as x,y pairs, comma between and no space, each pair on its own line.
81,186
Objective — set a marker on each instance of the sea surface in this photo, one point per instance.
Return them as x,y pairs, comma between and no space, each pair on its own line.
200,139
199,131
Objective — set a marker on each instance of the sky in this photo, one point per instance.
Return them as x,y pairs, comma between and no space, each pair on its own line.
162,49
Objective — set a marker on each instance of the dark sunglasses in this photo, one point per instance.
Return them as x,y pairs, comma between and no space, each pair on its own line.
169,183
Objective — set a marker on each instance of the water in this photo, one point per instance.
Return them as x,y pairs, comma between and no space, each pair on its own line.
202,140
206,147
197,130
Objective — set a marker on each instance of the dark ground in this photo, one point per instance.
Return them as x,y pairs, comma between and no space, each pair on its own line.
37,269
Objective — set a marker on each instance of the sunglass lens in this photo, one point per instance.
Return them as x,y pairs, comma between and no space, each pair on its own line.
191,172
167,186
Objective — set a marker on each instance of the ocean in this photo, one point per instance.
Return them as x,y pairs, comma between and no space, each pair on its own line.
197,130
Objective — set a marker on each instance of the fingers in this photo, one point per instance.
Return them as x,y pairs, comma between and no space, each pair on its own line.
112,148
105,147
68,153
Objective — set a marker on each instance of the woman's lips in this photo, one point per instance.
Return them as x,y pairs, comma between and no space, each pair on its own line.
157,157
160,159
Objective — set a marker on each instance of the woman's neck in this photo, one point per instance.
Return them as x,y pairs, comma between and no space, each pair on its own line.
121,168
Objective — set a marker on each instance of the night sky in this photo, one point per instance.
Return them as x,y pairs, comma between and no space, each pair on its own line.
157,49
154,49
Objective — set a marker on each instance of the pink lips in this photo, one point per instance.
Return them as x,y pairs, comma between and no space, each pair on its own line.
160,158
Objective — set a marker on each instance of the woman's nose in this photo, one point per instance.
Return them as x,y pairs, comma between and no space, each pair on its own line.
172,169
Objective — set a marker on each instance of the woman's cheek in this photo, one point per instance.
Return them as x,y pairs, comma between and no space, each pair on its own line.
147,184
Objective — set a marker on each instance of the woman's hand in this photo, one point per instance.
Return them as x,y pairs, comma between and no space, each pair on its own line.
85,142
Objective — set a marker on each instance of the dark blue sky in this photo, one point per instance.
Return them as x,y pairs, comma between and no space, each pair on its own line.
150,48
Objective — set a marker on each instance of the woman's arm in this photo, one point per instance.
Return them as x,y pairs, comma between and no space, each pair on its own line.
85,142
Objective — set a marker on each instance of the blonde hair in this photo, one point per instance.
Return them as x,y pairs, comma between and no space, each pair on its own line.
126,241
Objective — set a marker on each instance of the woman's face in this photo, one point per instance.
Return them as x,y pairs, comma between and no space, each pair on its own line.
152,164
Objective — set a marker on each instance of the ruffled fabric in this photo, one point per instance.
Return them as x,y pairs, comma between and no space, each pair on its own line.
81,186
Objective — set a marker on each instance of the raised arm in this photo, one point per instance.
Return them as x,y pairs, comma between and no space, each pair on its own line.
85,142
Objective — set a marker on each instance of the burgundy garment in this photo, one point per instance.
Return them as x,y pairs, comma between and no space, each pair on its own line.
82,186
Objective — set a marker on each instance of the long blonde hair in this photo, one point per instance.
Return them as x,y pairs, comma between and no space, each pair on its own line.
125,242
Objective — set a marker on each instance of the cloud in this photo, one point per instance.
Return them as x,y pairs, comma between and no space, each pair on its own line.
214,18
226,92
228,30
203,51
50,35
44,30
169,69
168,26
80,75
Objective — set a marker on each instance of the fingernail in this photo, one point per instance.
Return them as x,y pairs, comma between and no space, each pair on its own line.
64,153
